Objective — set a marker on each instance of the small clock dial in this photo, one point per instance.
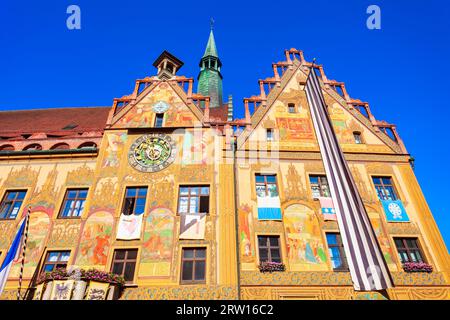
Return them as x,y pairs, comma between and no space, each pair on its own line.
160,107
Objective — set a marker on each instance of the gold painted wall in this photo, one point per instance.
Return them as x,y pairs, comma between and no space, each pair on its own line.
232,225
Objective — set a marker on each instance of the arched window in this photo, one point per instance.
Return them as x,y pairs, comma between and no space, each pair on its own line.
33,146
60,146
87,145
7,147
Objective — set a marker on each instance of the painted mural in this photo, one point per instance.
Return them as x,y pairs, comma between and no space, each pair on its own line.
114,149
245,239
39,227
304,241
157,247
382,240
195,147
142,114
340,120
295,129
95,240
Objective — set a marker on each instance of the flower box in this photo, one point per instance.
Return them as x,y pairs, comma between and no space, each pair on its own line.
271,267
80,274
81,280
417,267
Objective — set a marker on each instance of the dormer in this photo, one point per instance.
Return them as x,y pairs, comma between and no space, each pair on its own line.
167,65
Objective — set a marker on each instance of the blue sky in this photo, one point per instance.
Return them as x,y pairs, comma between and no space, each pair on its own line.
402,70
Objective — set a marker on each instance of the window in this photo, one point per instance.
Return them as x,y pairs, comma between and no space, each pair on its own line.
11,203
408,250
266,185
193,265
56,260
336,251
33,146
70,126
319,186
124,263
7,147
159,120
87,145
291,108
134,200
73,204
269,134
357,136
269,249
60,146
193,199
385,188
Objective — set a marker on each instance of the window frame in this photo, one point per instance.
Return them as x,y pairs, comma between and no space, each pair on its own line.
408,249
270,134
194,259
293,106
394,189
266,183
4,201
269,247
320,183
58,262
359,135
159,116
124,201
63,204
340,246
124,262
189,196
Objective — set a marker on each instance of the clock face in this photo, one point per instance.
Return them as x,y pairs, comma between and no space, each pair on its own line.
152,152
160,107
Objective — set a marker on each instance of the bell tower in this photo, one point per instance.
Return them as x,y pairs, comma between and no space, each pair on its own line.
210,78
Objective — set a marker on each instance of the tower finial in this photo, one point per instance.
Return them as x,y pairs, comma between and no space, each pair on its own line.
211,23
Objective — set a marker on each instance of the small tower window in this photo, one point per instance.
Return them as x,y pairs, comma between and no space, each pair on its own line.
291,108
357,136
159,120
269,134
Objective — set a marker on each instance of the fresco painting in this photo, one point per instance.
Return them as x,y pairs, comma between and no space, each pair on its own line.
38,228
294,129
304,241
195,148
142,114
156,256
245,242
114,149
95,240
382,240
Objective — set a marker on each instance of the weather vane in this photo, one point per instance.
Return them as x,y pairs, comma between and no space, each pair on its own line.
211,22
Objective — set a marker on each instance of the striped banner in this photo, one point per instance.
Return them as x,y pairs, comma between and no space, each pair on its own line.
24,248
364,257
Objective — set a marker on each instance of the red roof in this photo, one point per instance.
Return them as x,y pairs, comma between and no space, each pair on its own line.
54,120
220,113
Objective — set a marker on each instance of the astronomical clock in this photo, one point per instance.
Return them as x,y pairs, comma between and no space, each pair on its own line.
152,152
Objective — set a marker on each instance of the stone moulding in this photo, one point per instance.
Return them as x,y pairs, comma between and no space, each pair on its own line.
329,278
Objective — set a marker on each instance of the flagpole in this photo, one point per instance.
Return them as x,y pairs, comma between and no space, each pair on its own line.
23,253
35,275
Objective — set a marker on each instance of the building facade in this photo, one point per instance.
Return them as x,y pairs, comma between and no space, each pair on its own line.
168,190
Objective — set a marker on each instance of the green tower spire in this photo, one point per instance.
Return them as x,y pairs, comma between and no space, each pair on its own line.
210,78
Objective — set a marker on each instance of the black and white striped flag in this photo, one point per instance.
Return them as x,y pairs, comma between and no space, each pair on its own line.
364,257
